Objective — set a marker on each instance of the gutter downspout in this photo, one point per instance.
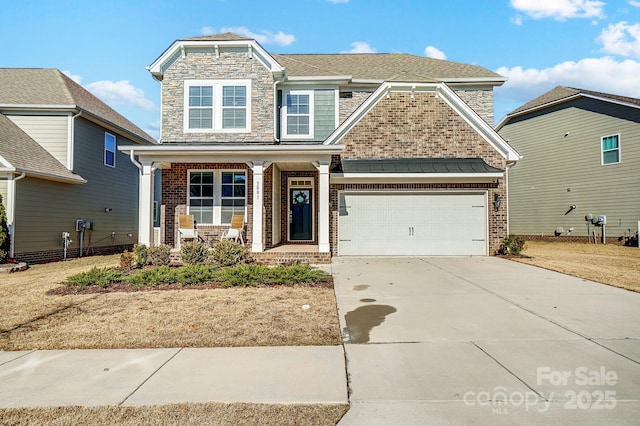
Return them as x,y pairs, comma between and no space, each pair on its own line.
276,114
11,210
506,174
72,138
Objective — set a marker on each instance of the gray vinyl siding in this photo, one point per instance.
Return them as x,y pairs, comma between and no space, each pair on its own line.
51,132
559,171
44,209
324,113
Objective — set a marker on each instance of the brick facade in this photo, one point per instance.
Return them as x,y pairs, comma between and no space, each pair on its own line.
36,257
175,183
400,126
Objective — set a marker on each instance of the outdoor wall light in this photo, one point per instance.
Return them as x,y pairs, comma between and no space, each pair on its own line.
497,200
108,209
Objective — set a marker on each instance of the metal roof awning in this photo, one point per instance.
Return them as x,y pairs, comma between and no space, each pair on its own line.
415,169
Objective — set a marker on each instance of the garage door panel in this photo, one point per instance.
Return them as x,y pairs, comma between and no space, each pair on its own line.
412,224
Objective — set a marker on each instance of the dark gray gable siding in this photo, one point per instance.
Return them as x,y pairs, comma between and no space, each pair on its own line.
325,113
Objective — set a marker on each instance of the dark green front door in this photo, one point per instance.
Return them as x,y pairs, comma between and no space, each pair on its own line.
301,211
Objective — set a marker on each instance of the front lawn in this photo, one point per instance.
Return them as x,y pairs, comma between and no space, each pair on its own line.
611,264
274,315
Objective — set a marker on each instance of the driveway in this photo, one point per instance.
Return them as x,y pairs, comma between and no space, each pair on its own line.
484,340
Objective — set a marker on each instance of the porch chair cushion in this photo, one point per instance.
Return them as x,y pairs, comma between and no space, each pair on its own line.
235,229
186,228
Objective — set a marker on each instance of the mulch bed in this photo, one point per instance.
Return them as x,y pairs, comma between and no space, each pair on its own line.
128,288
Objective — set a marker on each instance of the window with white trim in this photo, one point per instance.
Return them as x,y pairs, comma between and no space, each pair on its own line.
298,114
217,105
610,152
109,150
216,195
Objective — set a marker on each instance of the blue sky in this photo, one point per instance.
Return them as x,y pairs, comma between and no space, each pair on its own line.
537,44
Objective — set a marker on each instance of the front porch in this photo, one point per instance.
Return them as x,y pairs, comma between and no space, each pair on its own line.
281,255
283,192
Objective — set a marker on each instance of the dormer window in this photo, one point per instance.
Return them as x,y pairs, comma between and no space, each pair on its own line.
217,106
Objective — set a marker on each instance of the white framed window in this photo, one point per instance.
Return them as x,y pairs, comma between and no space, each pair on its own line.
610,149
216,195
109,150
217,106
297,114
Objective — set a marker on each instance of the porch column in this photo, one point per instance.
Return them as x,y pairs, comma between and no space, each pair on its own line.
145,204
323,208
257,244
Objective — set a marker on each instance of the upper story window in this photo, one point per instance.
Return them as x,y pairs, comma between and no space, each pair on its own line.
298,114
109,150
610,153
217,106
216,195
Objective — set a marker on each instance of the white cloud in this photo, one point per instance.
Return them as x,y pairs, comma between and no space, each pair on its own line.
517,20
73,77
634,3
560,9
621,39
264,37
207,30
598,74
119,93
434,52
360,47
338,1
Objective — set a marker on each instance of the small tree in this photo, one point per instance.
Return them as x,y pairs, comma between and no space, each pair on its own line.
4,233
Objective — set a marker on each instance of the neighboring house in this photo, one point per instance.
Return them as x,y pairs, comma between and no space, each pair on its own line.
339,154
580,155
60,169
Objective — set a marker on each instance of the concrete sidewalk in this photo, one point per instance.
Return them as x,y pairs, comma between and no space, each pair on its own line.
133,377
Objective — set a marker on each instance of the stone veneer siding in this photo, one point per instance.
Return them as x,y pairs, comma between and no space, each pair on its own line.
481,100
205,66
425,126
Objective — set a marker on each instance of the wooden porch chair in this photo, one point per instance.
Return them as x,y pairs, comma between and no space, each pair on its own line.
186,229
235,229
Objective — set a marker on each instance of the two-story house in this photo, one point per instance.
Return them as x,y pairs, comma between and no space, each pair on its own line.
581,150
60,168
328,154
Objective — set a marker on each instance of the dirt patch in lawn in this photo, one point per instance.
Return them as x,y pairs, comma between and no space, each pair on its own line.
262,316
179,414
611,264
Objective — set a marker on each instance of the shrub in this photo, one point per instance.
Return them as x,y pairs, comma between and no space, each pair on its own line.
153,277
512,244
194,252
295,274
127,261
197,274
101,277
160,255
228,252
4,234
243,275
140,255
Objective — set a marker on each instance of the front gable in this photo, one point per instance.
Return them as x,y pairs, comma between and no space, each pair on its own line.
419,122
216,69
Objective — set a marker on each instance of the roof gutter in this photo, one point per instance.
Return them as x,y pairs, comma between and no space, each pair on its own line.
11,210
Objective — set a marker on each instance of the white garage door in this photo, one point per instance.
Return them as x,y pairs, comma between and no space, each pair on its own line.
425,224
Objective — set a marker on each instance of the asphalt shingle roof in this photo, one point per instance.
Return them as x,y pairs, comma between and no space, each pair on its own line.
26,155
380,66
49,86
562,92
368,66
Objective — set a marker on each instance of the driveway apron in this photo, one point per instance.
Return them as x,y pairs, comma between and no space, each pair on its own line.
483,340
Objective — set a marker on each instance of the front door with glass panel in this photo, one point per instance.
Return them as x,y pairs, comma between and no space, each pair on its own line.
300,214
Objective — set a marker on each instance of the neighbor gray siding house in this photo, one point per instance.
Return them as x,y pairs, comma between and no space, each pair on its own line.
581,156
59,163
